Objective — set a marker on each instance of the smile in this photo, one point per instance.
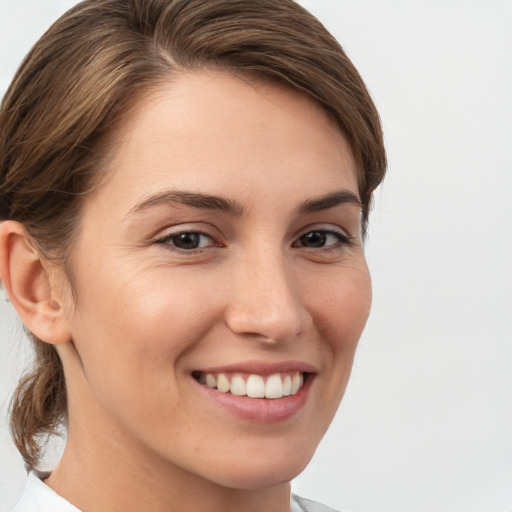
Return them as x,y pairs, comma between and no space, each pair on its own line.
277,385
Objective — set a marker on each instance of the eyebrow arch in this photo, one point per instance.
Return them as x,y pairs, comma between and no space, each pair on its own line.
197,200
330,201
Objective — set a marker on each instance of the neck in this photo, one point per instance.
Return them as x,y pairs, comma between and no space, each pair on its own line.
101,474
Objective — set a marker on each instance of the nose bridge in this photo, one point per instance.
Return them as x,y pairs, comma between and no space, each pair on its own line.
266,301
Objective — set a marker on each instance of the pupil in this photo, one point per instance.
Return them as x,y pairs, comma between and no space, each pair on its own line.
186,241
314,239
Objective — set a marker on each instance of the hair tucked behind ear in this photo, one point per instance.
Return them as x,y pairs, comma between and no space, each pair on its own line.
58,120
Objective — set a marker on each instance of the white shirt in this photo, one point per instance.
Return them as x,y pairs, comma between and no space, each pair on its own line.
38,497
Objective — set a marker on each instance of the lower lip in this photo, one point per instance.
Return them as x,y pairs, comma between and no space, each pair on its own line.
261,410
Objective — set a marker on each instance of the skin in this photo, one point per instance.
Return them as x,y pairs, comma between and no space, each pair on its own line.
142,434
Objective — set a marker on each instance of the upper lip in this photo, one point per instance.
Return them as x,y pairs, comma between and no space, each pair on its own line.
261,367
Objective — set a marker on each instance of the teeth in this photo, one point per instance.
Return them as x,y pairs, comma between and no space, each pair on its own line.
211,381
297,382
222,383
287,386
274,387
255,386
238,386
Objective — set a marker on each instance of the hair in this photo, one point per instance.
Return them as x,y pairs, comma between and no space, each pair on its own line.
84,75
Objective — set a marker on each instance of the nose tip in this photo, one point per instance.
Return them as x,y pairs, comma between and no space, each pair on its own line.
267,305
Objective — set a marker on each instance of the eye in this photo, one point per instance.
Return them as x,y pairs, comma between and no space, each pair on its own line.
187,240
319,238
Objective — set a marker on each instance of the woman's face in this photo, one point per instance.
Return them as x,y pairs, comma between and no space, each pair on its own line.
223,251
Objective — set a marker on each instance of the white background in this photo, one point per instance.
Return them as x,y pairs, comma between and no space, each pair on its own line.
426,424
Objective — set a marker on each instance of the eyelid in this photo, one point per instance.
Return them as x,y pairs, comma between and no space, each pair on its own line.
327,228
201,227
164,236
340,237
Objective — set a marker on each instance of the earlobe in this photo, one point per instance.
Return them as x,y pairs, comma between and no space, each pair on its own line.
29,286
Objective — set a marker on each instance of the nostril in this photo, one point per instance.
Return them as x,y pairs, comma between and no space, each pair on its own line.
275,326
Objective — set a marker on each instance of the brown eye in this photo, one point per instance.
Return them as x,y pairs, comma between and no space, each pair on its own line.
187,240
319,239
313,239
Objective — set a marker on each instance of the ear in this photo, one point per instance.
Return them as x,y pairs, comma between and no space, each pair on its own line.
29,286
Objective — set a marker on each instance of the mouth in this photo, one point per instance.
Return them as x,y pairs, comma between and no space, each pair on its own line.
273,386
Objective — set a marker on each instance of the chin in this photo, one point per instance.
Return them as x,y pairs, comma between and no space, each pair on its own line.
265,471
257,480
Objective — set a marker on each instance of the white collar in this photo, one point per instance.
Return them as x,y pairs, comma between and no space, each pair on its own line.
38,497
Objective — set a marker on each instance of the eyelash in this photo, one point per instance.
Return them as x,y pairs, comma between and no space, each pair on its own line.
342,240
168,241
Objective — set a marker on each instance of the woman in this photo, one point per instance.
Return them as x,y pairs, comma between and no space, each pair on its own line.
185,187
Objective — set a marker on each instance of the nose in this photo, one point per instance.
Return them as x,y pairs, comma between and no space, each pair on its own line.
265,300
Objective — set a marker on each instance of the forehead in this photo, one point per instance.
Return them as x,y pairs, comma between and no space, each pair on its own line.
212,129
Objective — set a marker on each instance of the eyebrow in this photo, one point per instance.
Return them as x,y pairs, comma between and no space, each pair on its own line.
235,208
330,201
202,201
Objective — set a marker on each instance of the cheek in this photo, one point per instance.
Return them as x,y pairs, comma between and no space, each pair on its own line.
132,339
138,326
341,309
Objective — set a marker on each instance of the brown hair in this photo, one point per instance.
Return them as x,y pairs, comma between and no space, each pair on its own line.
82,77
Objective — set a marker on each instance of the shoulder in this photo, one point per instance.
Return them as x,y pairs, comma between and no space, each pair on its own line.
299,504
38,497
